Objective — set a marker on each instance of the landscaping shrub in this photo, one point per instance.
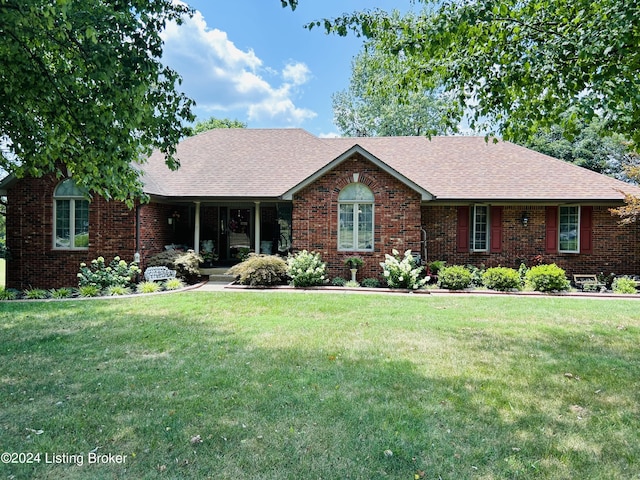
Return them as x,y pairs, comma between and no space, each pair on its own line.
148,287
402,272
260,271
89,291
306,269
184,263
36,294
338,282
624,285
371,283
60,292
501,278
352,284
476,275
455,277
116,290
435,266
8,294
547,278
101,275
173,284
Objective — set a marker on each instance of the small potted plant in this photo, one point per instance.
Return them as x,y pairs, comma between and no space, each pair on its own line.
353,262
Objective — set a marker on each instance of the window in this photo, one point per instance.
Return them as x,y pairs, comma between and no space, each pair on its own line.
71,217
355,218
480,228
569,229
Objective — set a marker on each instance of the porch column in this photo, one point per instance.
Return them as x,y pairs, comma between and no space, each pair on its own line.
257,228
196,230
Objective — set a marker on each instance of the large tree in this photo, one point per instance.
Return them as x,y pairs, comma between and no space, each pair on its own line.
375,105
83,90
213,122
517,65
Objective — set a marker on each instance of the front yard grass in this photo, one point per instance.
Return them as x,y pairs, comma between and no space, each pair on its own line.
333,386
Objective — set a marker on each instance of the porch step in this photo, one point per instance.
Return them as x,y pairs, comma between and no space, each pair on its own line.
217,275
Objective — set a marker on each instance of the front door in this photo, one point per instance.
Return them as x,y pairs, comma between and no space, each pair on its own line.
238,232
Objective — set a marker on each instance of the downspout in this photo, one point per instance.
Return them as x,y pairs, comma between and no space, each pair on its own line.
257,229
196,230
136,255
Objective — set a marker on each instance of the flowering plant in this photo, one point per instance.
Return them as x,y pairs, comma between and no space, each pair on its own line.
99,274
306,269
402,272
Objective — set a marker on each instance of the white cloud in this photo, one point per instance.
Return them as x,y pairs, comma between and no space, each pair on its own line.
222,78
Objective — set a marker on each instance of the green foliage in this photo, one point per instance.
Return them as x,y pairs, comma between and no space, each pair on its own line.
624,285
117,273
375,104
117,290
547,278
36,294
353,261
213,123
435,266
352,284
454,277
85,90
148,287
554,56
184,263
371,283
306,269
501,278
8,294
89,291
338,282
260,271
476,275
402,272
60,293
173,284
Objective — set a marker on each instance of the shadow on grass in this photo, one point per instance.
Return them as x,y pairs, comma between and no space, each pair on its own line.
203,397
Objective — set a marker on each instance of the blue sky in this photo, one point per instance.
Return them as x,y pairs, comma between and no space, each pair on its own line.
253,60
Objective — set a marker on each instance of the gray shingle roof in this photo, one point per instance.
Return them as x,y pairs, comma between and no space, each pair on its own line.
250,163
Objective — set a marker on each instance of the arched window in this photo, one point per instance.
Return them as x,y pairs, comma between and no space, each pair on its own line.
71,217
355,218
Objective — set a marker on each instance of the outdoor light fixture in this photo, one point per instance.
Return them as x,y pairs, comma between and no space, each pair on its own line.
525,218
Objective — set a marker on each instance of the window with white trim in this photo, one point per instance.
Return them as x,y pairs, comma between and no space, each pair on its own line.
480,228
355,218
569,229
71,217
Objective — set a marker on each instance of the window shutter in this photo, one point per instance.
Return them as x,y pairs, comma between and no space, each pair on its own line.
496,229
463,229
552,230
586,229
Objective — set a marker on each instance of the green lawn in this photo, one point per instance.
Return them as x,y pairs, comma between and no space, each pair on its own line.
308,386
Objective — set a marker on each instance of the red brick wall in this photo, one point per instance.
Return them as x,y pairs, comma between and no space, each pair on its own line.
396,217
33,262
615,247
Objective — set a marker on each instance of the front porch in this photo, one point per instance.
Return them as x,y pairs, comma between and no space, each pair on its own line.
225,232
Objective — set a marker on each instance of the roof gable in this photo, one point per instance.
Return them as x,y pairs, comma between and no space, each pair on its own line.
357,149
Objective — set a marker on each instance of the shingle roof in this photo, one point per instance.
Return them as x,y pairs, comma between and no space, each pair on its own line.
249,163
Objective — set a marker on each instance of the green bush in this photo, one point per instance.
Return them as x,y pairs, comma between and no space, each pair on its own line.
148,287
371,283
352,284
306,269
455,277
260,271
184,263
60,292
547,278
435,266
89,291
101,275
501,278
402,272
36,294
476,275
624,285
8,294
116,290
173,284
338,282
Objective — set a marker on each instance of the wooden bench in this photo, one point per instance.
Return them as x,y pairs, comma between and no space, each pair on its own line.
590,281
152,274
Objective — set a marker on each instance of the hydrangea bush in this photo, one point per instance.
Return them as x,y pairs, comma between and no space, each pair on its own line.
116,273
402,272
306,269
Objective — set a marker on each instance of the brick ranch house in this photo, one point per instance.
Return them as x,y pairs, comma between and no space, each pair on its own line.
458,199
